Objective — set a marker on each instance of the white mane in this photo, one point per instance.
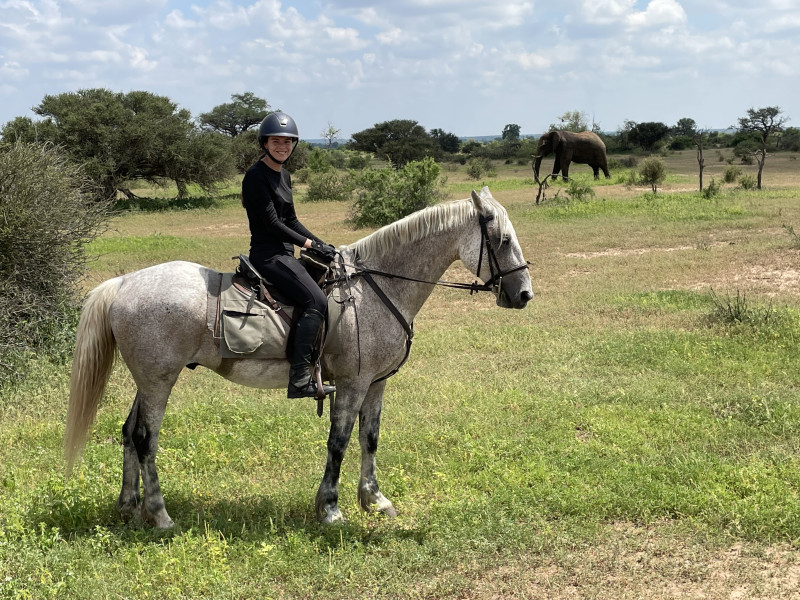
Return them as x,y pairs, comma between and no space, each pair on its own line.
425,222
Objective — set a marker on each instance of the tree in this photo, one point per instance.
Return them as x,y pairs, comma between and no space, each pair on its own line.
120,138
234,118
572,120
685,126
399,141
764,122
329,134
448,142
648,134
511,132
699,140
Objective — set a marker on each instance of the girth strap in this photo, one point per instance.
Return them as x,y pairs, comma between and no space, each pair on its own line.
409,329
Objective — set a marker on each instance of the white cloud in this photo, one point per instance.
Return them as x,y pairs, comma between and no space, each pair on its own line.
658,13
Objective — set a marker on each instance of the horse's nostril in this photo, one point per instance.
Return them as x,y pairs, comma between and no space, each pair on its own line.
526,296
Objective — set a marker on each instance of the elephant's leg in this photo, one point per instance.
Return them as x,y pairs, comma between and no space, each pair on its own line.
145,440
344,411
369,495
129,498
556,167
566,158
596,171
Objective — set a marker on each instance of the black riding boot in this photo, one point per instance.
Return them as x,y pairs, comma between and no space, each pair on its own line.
301,377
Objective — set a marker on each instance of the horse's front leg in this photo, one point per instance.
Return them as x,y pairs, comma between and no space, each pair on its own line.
369,425
344,410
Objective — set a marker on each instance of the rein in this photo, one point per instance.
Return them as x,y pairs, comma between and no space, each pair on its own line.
494,284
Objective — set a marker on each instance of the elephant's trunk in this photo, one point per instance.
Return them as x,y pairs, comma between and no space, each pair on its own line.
537,162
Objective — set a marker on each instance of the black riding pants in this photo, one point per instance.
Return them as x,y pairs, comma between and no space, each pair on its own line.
293,281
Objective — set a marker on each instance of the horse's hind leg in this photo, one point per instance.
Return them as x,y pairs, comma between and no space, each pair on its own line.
369,495
142,427
129,497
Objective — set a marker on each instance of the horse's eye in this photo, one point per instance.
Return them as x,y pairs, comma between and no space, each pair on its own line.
506,240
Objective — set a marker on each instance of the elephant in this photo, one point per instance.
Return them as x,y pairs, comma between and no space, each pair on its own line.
585,148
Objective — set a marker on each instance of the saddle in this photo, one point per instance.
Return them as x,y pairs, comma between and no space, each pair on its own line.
251,318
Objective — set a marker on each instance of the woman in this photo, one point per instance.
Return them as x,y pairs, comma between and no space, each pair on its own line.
274,232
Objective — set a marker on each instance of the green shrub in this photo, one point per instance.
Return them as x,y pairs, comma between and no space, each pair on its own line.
329,186
358,161
748,182
386,195
477,166
579,192
712,189
624,162
732,173
652,172
47,216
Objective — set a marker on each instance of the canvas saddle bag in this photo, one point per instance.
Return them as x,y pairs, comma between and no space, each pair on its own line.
250,319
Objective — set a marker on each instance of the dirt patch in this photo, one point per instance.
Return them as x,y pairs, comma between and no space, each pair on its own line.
635,562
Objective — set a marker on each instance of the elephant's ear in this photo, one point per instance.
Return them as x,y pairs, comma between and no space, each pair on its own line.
558,139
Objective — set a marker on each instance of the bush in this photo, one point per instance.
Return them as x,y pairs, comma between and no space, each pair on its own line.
624,162
477,166
732,173
329,186
748,182
386,195
652,172
579,192
712,189
47,215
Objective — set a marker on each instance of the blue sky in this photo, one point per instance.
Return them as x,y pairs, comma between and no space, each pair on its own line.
465,66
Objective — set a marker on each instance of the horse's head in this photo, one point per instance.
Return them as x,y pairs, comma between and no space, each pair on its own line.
492,252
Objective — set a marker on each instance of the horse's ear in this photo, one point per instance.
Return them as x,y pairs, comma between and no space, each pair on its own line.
477,199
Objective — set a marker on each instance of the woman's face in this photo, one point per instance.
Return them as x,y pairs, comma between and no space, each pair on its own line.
280,147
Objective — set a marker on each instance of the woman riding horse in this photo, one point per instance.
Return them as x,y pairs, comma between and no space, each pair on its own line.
274,232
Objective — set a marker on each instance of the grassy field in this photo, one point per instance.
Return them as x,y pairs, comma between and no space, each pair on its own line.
633,433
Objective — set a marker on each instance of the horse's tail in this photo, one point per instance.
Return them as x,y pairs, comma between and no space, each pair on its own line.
91,367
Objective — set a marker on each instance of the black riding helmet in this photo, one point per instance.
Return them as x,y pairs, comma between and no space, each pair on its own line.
277,124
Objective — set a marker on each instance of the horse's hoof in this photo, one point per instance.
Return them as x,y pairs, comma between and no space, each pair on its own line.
127,510
332,515
160,521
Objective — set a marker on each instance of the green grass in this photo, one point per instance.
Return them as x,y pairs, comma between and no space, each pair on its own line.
520,447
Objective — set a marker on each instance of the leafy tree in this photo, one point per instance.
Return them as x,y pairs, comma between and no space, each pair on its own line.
48,213
330,133
511,132
120,138
399,141
763,122
234,118
647,135
448,142
685,126
572,120
790,140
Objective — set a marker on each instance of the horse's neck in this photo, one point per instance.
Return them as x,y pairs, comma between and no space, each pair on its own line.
425,260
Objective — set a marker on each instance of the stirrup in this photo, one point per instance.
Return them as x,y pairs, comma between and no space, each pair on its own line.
309,390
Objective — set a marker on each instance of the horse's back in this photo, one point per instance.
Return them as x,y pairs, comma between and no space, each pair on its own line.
159,314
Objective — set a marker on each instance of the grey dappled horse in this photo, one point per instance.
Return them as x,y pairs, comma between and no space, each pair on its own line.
156,317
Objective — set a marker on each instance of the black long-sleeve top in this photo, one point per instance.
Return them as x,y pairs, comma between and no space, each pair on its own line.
274,226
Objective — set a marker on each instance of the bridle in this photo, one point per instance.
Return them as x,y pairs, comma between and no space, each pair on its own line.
496,274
